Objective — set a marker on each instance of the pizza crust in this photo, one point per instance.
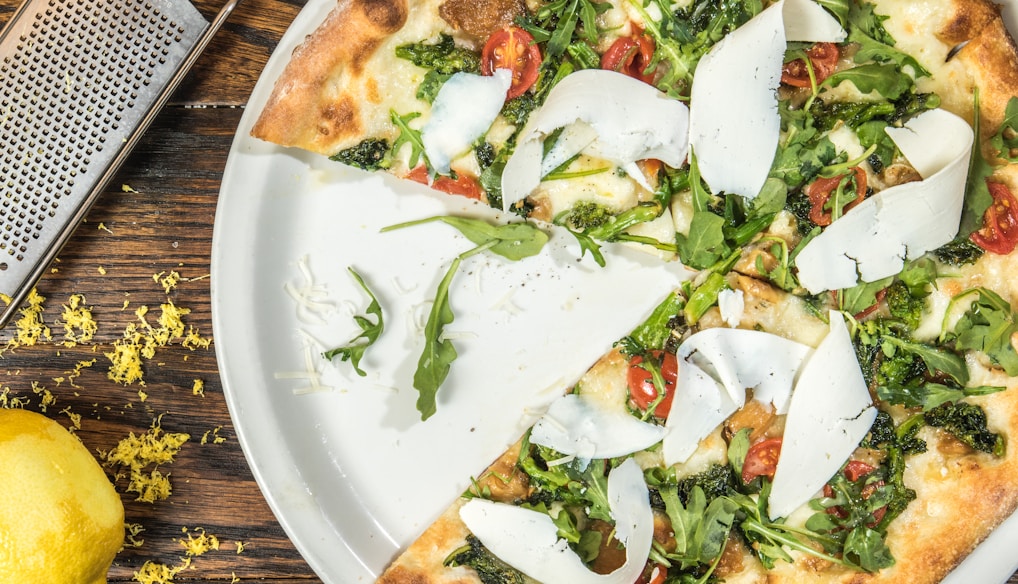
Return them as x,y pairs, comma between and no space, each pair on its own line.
319,100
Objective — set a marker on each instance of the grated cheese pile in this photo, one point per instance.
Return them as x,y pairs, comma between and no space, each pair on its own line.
151,449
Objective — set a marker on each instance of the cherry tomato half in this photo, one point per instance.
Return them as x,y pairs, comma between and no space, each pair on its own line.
630,55
820,191
463,185
822,56
642,392
855,470
761,459
999,234
512,48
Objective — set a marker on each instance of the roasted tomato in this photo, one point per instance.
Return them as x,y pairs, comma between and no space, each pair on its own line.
642,392
822,56
630,55
855,470
463,185
761,459
999,234
820,190
512,48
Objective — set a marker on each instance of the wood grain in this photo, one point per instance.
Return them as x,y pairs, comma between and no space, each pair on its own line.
156,218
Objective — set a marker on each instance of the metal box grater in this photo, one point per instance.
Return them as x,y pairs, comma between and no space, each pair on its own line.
80,81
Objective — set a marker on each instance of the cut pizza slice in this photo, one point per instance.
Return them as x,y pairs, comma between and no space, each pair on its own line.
779,451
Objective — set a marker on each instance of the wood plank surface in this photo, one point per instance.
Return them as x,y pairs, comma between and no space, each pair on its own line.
156,219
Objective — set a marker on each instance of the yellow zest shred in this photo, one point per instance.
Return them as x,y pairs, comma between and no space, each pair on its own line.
198,388
79,326
153,573
132,531
48,399
102,271
151,449
198,545
30,326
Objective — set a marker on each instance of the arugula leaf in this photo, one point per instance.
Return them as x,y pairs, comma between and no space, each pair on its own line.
438,354
977,194
861,296
408,135
353,350
884,78
868,549
935,358
558,21
988,326
705,242
875,43
1005,141
931,395
513,241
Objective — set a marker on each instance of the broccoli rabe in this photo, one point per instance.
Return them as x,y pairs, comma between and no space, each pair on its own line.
959,252
717,480
490,569
370,154
967,423
442,57
896,442
586,215
905,305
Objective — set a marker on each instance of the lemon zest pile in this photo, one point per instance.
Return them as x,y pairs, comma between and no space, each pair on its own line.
196,546
79,326
154,573
30,327
137,453
142,339
169,281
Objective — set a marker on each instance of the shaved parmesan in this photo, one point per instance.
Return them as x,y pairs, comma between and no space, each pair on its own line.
734,104
528,540
807,21
717,367
873,240
830,413
577,426
462,111
635,120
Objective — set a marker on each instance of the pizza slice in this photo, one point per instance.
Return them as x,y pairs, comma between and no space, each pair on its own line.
796,450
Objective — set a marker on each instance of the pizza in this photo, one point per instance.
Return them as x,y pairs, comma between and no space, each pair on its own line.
831,397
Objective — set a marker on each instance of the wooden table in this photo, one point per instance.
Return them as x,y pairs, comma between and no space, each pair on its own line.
156,218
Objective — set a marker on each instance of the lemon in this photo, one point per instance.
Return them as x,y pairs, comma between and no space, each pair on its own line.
61,521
